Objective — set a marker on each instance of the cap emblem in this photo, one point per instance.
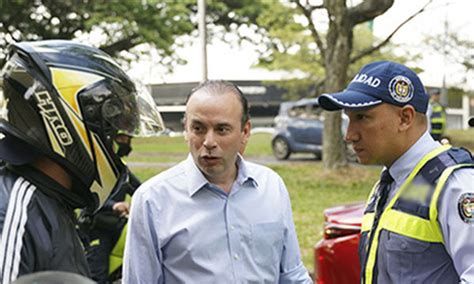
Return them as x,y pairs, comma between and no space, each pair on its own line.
401,89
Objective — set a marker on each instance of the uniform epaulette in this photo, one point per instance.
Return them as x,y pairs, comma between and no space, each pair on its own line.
435,167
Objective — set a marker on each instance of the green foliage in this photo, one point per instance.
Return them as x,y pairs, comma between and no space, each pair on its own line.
286,42
122,24
290,48
295,51
455,49
363,39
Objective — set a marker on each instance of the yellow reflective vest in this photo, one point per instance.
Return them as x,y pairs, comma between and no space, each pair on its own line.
408,214
437,119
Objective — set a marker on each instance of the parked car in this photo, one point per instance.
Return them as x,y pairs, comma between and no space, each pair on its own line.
299,129
336,257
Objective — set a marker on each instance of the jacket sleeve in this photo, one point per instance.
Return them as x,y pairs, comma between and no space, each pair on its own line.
16,247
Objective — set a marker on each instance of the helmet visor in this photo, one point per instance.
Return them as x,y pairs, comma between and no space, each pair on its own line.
134,114
21,80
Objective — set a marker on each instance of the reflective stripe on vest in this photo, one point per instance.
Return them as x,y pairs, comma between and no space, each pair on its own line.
438,119
403,223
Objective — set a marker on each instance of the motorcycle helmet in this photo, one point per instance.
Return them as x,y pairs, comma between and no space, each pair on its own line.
67,101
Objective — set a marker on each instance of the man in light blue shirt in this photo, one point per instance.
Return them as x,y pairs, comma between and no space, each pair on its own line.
214,218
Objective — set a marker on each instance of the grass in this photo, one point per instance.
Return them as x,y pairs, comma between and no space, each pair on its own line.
259,145
311,188
464,138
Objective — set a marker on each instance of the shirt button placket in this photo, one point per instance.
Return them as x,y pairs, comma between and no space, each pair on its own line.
233,236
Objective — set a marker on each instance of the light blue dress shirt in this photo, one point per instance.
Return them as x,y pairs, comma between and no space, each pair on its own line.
458,235
185,230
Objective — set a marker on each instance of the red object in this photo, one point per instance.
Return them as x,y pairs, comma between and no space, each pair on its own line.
336,257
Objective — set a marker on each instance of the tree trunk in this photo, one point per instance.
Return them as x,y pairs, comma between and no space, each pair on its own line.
339,47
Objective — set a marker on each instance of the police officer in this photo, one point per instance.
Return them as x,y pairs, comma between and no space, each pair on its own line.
437,116
418,223
61,104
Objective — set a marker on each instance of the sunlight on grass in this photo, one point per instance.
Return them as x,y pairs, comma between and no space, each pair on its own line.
462,138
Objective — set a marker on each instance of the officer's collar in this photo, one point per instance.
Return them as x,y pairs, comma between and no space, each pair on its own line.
404,165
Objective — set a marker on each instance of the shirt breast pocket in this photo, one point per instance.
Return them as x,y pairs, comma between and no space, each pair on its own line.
267,243
401,244
403,254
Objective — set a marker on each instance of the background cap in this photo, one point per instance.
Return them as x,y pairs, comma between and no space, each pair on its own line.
380,82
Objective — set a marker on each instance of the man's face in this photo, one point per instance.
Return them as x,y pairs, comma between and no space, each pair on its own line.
373,134
214,133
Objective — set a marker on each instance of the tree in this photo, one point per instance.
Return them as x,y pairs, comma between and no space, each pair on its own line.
455,49
121,25
319,35
336,54
120,28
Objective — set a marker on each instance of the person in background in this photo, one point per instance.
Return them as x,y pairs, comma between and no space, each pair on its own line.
61,104
214,217
437,116
102,230
419,222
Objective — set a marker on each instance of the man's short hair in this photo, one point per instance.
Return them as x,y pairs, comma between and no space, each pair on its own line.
223,87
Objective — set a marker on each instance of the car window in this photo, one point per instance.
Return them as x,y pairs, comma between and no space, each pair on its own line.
297,112
314,112
309,111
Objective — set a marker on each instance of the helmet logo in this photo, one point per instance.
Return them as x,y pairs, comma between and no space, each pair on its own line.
52,118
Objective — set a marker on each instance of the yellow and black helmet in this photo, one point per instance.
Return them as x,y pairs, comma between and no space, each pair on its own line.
67,101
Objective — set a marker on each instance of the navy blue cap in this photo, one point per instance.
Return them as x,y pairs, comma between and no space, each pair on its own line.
380,82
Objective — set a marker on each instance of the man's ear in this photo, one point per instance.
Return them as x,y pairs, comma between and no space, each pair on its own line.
407,117
245,136
246,131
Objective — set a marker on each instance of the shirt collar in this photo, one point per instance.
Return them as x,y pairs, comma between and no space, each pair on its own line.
244,175
198,181
404,165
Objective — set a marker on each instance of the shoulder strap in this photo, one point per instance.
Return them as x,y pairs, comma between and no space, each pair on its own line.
433,169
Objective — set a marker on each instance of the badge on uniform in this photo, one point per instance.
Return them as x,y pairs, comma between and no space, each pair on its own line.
466,207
